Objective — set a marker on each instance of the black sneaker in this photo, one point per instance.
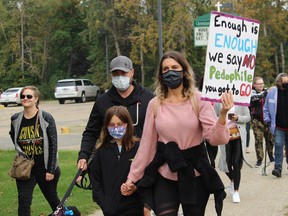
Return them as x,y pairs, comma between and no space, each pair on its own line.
271,159
258,164
276,172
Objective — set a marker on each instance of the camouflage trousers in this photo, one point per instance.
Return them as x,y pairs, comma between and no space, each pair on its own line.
261,131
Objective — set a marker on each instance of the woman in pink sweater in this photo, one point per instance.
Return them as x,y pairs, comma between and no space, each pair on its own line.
171,164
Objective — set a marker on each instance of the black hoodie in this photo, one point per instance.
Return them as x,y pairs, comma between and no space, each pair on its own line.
109,169
137,100
257,104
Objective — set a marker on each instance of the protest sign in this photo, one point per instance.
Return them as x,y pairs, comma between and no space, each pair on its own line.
230,57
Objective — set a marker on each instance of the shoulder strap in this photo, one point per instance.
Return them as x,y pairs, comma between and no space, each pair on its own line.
35,129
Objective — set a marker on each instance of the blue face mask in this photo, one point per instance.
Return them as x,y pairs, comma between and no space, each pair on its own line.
173,79
117,132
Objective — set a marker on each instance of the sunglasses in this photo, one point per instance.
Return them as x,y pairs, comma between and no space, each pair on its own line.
28,96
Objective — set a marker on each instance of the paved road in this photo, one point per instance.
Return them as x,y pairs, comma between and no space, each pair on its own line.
260,195
69,115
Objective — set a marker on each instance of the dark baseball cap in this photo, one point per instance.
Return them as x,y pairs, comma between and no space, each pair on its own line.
122,63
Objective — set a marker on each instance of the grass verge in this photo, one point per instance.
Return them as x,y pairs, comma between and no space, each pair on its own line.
40,207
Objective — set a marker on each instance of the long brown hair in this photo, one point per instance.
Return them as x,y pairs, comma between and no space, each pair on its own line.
188,76
278,80
122,113
189,83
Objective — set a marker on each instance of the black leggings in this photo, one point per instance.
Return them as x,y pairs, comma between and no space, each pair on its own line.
48,188
212,153
166,199
234,160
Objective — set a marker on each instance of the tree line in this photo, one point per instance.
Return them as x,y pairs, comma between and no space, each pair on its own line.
43,41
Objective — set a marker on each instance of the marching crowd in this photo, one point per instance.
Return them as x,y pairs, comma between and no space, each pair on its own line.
148,152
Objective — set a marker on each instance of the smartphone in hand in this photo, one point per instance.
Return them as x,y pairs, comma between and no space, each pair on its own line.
230,116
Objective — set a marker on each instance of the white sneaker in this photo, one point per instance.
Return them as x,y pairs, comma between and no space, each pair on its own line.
231,188
236,197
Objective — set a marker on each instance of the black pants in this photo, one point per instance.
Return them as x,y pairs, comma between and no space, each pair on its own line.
166,199
212,152
234,161
48,188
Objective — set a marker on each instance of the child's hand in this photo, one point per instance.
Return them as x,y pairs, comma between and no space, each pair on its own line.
128,188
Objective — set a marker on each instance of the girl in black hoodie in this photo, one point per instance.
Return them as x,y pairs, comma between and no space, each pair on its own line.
110,166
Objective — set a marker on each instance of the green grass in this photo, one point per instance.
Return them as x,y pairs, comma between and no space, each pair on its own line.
40,207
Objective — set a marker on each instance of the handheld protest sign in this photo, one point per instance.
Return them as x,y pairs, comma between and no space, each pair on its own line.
230,57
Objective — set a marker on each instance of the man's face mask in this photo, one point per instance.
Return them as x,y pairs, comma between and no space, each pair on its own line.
121,83
117,132
173,79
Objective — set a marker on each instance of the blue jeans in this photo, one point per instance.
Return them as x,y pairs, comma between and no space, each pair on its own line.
280,138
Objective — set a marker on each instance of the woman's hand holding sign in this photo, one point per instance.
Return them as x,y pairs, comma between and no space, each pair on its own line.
227,103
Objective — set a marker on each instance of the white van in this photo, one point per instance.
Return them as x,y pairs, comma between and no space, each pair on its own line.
79,90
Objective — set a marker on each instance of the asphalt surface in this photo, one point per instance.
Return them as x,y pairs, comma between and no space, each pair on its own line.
71,116
260,194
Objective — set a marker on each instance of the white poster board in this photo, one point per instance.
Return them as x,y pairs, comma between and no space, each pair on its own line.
230,57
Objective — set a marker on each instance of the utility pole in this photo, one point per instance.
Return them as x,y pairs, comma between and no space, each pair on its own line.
106,55
20,7
160,29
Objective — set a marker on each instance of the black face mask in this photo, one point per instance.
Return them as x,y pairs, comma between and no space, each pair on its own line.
285,86
173,79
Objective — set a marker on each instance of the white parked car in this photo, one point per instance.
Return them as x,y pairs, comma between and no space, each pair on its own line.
79,90
11,96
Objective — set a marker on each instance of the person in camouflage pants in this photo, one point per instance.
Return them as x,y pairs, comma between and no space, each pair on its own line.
260,130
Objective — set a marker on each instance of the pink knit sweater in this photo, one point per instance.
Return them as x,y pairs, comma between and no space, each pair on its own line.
178,123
